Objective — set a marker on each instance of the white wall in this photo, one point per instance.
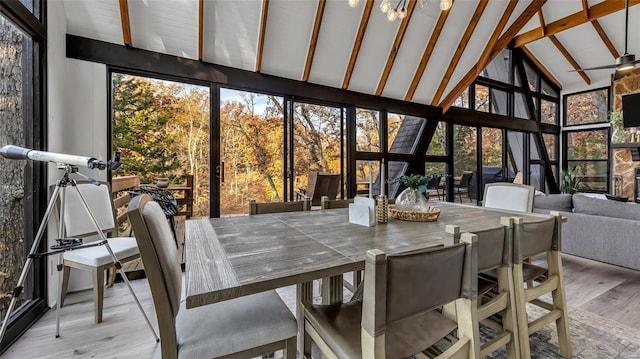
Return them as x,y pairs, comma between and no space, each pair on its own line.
76,118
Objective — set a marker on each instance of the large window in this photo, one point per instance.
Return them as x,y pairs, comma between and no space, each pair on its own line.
23,189
586,138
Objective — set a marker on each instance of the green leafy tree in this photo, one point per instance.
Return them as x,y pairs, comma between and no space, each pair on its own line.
140,120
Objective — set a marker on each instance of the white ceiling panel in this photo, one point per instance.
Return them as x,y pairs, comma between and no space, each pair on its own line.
237,48
532,24
560,9
287,37
548,54
461,13
99,19
168,26
374,52
477,43
613,25
522,5
410,53
335,42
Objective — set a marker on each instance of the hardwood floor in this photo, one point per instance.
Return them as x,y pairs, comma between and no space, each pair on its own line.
599,288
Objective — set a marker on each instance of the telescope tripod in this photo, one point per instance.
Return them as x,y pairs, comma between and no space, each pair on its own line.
64,245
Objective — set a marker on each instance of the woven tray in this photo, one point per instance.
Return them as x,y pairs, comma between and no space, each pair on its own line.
430,216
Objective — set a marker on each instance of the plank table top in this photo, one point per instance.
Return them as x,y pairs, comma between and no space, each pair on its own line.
234,256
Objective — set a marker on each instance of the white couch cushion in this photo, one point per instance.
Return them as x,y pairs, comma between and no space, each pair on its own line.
233,325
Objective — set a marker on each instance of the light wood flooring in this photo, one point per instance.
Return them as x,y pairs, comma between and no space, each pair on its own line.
599,288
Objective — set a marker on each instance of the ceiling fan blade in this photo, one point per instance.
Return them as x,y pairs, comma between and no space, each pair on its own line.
612,66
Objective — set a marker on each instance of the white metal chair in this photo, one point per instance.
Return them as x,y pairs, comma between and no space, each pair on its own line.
78,225
509,196
244,327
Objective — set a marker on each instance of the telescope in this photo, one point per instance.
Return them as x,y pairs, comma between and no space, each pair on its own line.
20,153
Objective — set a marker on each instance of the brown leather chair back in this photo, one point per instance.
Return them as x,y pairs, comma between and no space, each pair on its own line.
535,237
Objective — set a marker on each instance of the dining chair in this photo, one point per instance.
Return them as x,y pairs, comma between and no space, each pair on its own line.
277,207
97,259
495,297
320,184
397,316
530,239
244,327
509,196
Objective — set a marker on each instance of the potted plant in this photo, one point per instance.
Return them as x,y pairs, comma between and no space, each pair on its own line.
569,183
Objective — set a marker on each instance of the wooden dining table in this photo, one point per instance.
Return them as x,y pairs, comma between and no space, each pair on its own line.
230,257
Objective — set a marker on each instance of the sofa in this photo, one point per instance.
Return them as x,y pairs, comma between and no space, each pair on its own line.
600,229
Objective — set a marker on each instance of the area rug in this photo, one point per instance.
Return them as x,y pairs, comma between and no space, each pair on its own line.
592,336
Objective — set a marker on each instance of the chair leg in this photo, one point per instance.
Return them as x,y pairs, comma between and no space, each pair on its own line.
521,312
111,277
98,293
64,285
290,350
554,263
505,283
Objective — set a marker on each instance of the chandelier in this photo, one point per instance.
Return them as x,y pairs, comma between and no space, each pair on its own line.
400,10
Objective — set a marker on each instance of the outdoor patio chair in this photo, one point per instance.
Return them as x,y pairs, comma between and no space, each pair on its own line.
397,317
496,296
277,207
78,225
320,184
433,186
463,186
244,327
530,239
509,196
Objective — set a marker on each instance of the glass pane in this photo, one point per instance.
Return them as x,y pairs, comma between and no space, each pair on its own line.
464,162
491,147
550,143
16,114
251,150
162,130
438,145
499,68
548,90
536,176
534,155
587,145
463,99
549,111
532,77
520,106
395,169
439,189
403,132
367,130
482,98
317,141
368,177
587,107
516,77
592,175
499,102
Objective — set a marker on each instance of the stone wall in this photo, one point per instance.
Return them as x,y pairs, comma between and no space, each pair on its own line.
622,164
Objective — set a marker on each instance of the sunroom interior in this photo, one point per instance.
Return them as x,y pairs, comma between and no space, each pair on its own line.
492,89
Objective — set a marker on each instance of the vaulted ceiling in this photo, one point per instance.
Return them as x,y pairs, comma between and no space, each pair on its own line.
428,58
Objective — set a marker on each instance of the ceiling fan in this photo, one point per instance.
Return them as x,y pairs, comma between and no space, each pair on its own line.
624,63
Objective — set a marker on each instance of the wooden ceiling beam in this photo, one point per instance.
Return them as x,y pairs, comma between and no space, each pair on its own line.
314,39
607,42
358,42
263,29
541,67
426,55
455,59
569,58
396,47
489,52
595,12
200,27
126,25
